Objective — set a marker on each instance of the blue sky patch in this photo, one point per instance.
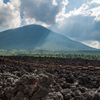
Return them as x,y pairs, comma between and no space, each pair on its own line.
5,1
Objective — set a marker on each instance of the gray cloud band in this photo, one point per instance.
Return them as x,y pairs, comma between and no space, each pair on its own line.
41,10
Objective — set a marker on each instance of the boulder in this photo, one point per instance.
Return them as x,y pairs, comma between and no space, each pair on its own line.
29,87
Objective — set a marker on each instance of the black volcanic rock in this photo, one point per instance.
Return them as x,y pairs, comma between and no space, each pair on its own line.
47,83
37,37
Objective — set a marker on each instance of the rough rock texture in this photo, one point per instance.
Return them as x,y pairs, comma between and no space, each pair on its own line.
55,61
28,87
20,82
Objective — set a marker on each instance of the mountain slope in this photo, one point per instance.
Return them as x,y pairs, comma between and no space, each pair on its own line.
37,37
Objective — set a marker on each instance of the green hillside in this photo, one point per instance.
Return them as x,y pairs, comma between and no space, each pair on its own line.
34,37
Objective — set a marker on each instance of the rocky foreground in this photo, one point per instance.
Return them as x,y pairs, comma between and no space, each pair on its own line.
20,82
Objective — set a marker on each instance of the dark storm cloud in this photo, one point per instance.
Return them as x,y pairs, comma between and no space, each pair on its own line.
40,10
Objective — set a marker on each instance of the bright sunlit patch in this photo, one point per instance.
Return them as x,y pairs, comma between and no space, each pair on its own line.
9,15
46,25
96,12
94,44
95,1
54,2
60,15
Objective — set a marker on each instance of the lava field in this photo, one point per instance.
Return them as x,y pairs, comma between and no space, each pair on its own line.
27,82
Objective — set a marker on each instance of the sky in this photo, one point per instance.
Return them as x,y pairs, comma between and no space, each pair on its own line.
76,19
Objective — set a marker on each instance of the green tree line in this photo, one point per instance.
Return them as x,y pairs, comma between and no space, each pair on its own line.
43,53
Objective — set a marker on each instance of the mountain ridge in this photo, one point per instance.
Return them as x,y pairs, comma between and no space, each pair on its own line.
33,37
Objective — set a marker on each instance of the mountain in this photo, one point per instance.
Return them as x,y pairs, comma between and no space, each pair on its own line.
33,37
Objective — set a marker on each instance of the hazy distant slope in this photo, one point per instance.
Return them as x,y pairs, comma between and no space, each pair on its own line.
35,36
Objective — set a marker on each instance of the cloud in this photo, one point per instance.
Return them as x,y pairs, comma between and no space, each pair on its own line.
54,2
62,12
85,10
81,24
9,15
41,10
15,3
94,44
80,11
80,28
95,1
96,13
91,8
25,12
